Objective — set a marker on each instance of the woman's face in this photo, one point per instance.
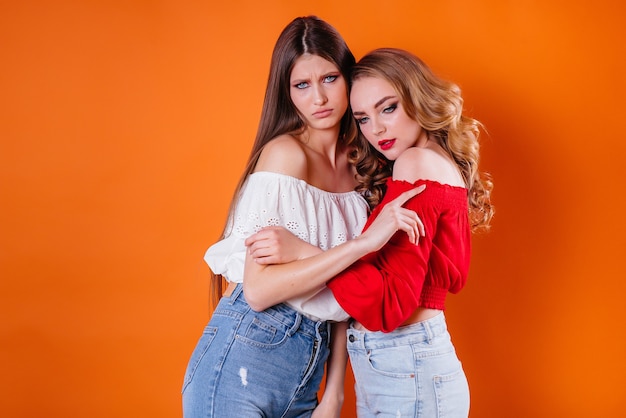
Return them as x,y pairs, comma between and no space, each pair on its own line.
381,117
319,92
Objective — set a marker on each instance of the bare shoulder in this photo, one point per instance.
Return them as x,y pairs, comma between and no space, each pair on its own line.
426,164
285,155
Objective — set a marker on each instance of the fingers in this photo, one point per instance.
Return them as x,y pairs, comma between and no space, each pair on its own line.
252,239
411,232
414,226
259,252
263,253
265,233
271,245
421,231
405,196
258,244
267,260
410,223
418,227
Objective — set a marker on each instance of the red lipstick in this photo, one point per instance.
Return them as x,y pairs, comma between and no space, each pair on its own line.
385,144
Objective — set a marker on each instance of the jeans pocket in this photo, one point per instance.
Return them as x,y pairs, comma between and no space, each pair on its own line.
263,332
394,362
452,392
198,354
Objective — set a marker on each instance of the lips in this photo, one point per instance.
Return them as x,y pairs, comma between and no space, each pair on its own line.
321,114
385,144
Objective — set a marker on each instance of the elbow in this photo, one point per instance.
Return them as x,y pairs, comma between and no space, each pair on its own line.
253,299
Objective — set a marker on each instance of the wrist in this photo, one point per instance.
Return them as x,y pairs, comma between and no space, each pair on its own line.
310,251
333,398
334,392
361,245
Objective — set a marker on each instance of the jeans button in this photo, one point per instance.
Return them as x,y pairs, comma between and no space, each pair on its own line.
351,338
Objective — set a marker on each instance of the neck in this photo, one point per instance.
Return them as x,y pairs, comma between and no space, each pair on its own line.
422,139
324,142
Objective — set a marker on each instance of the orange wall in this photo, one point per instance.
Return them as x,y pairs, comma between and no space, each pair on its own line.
125,124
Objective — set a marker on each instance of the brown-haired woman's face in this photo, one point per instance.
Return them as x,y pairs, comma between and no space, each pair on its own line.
319,92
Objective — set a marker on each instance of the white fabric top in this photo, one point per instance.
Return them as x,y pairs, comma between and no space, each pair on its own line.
319,217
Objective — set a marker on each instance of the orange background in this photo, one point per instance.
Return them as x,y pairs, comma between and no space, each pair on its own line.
125,125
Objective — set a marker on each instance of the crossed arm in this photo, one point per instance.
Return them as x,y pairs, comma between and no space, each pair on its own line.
305,267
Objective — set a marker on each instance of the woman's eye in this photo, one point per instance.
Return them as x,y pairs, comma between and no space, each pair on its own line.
330,78
390,109
301,85
362,121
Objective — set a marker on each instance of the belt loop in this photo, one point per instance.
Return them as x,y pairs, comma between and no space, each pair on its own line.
296,324
429,331
236,293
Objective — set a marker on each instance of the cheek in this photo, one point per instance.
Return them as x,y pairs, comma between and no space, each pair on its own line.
417,130
406,125
297,98
340,96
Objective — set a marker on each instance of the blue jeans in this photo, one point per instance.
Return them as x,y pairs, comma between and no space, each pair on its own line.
410,372
255,364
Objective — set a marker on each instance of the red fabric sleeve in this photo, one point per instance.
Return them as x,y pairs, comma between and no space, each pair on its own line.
382,289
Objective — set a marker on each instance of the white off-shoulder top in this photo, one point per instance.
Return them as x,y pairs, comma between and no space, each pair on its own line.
319,217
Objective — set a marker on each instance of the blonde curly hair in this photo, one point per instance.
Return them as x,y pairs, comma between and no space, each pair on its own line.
437,105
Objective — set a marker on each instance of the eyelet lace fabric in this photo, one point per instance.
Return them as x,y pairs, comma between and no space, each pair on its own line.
319,217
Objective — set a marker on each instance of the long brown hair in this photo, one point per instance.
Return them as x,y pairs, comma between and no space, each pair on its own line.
304,35
437,105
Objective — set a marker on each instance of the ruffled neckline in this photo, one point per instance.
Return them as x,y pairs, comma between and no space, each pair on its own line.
303,183
427,182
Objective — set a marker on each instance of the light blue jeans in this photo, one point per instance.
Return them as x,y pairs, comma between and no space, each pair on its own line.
410,372
255,364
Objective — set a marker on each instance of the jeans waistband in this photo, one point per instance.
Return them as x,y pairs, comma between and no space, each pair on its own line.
423,331
282,313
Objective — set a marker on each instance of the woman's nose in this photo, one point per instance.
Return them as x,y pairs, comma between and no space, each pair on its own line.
377,127
320,96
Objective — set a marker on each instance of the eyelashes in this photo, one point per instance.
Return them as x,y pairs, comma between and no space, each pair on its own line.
387,109
391,108
331,78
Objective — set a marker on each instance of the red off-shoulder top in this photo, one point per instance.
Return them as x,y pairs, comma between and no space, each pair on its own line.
382,289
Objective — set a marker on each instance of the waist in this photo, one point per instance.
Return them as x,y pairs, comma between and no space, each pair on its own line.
233,300
319,305
427,330
418,315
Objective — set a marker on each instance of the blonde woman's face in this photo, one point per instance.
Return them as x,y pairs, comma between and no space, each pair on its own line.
381,117
319,92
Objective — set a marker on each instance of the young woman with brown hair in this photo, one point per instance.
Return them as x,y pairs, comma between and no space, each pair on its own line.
270,362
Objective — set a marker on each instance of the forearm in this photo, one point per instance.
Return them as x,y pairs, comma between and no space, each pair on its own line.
267,285
332,400
337,362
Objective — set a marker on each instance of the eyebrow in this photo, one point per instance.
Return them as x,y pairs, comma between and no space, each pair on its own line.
307,78
378,103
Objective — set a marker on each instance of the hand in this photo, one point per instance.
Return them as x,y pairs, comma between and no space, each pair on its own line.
394,217
326,410
276,245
